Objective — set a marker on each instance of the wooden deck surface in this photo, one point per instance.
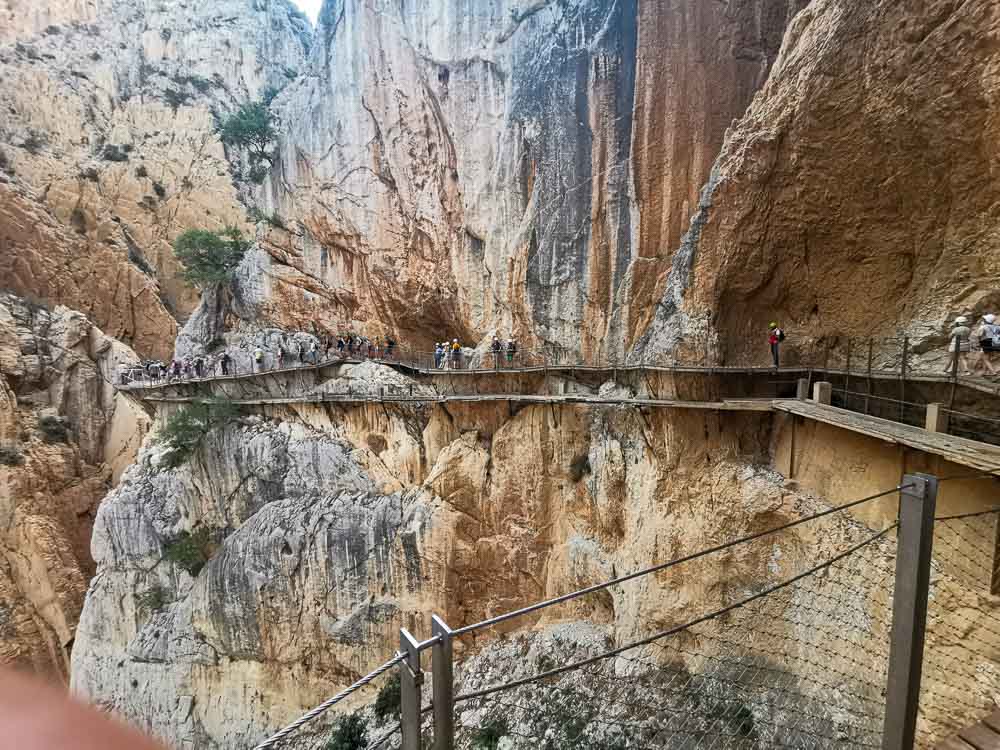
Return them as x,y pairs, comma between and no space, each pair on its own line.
972,453
984,735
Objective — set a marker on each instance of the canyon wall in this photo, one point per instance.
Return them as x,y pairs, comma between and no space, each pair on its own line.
275,566
450,169
108,147
859,193
65,438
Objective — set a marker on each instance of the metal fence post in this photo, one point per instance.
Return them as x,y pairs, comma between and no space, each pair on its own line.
444,704
917,501
410,680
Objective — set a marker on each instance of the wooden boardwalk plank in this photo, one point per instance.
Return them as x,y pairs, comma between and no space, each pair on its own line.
953,743
981,456
981,737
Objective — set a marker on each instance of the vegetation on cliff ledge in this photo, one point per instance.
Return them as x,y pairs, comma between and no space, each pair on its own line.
253,129
350,734
185,429
210,257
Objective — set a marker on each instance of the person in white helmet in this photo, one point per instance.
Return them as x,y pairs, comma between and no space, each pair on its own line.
958,349
987,340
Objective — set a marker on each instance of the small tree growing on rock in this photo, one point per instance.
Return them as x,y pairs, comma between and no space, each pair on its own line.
185,429
350,734
252,128
210,257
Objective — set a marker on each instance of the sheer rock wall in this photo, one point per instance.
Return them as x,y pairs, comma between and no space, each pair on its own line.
859,193
458,168
55,366
108,149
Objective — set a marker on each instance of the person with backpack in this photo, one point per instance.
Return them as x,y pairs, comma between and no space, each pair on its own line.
987,337
456,355
199,367
496,347
258,359
313,352
774,339
511,351
224,363
438,352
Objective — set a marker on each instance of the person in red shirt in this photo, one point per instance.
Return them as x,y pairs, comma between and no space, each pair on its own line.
774,338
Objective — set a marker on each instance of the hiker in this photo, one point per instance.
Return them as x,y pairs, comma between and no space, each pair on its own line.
496,348
258,358
224,363
341,346
281,356
511,351
774,338
390,346
371,349
199,365
959,347
438,353
987,339
313,352
456,355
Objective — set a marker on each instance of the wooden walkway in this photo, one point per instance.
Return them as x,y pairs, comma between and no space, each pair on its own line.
972,453
982,736
978,384
746,404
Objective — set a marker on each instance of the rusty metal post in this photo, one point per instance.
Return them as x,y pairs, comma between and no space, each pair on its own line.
917,501
410,680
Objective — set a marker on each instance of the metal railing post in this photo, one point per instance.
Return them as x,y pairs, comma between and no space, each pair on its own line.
902,379
410,680
444,695
917,501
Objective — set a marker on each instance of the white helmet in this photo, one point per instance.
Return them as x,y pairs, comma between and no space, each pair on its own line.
961,320
990,318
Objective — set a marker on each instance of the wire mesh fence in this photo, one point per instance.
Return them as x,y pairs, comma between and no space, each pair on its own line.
801,666
961,666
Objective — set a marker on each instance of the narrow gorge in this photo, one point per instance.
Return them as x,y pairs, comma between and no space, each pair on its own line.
621,187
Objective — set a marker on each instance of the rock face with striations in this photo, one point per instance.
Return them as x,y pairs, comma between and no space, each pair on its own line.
858,195
456,169
108,149
65,438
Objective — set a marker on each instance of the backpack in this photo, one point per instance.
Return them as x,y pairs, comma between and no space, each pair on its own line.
781,334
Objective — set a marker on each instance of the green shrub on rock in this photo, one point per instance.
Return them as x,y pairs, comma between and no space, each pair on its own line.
210,257
350,734
185,429
11,456
53,430
191,551
253,129
389,700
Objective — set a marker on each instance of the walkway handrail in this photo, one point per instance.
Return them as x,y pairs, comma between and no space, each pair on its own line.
277,737
663,566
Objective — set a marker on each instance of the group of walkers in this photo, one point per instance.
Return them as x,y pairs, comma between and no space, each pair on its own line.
448,355
970,350
974,350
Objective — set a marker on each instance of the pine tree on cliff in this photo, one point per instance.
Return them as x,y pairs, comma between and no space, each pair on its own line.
252,128
210,257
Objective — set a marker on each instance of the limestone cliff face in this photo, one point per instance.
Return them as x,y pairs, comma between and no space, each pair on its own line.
858,194
458,168
326,528
66,437
108,151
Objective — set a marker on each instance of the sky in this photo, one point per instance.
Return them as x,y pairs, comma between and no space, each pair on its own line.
310,8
